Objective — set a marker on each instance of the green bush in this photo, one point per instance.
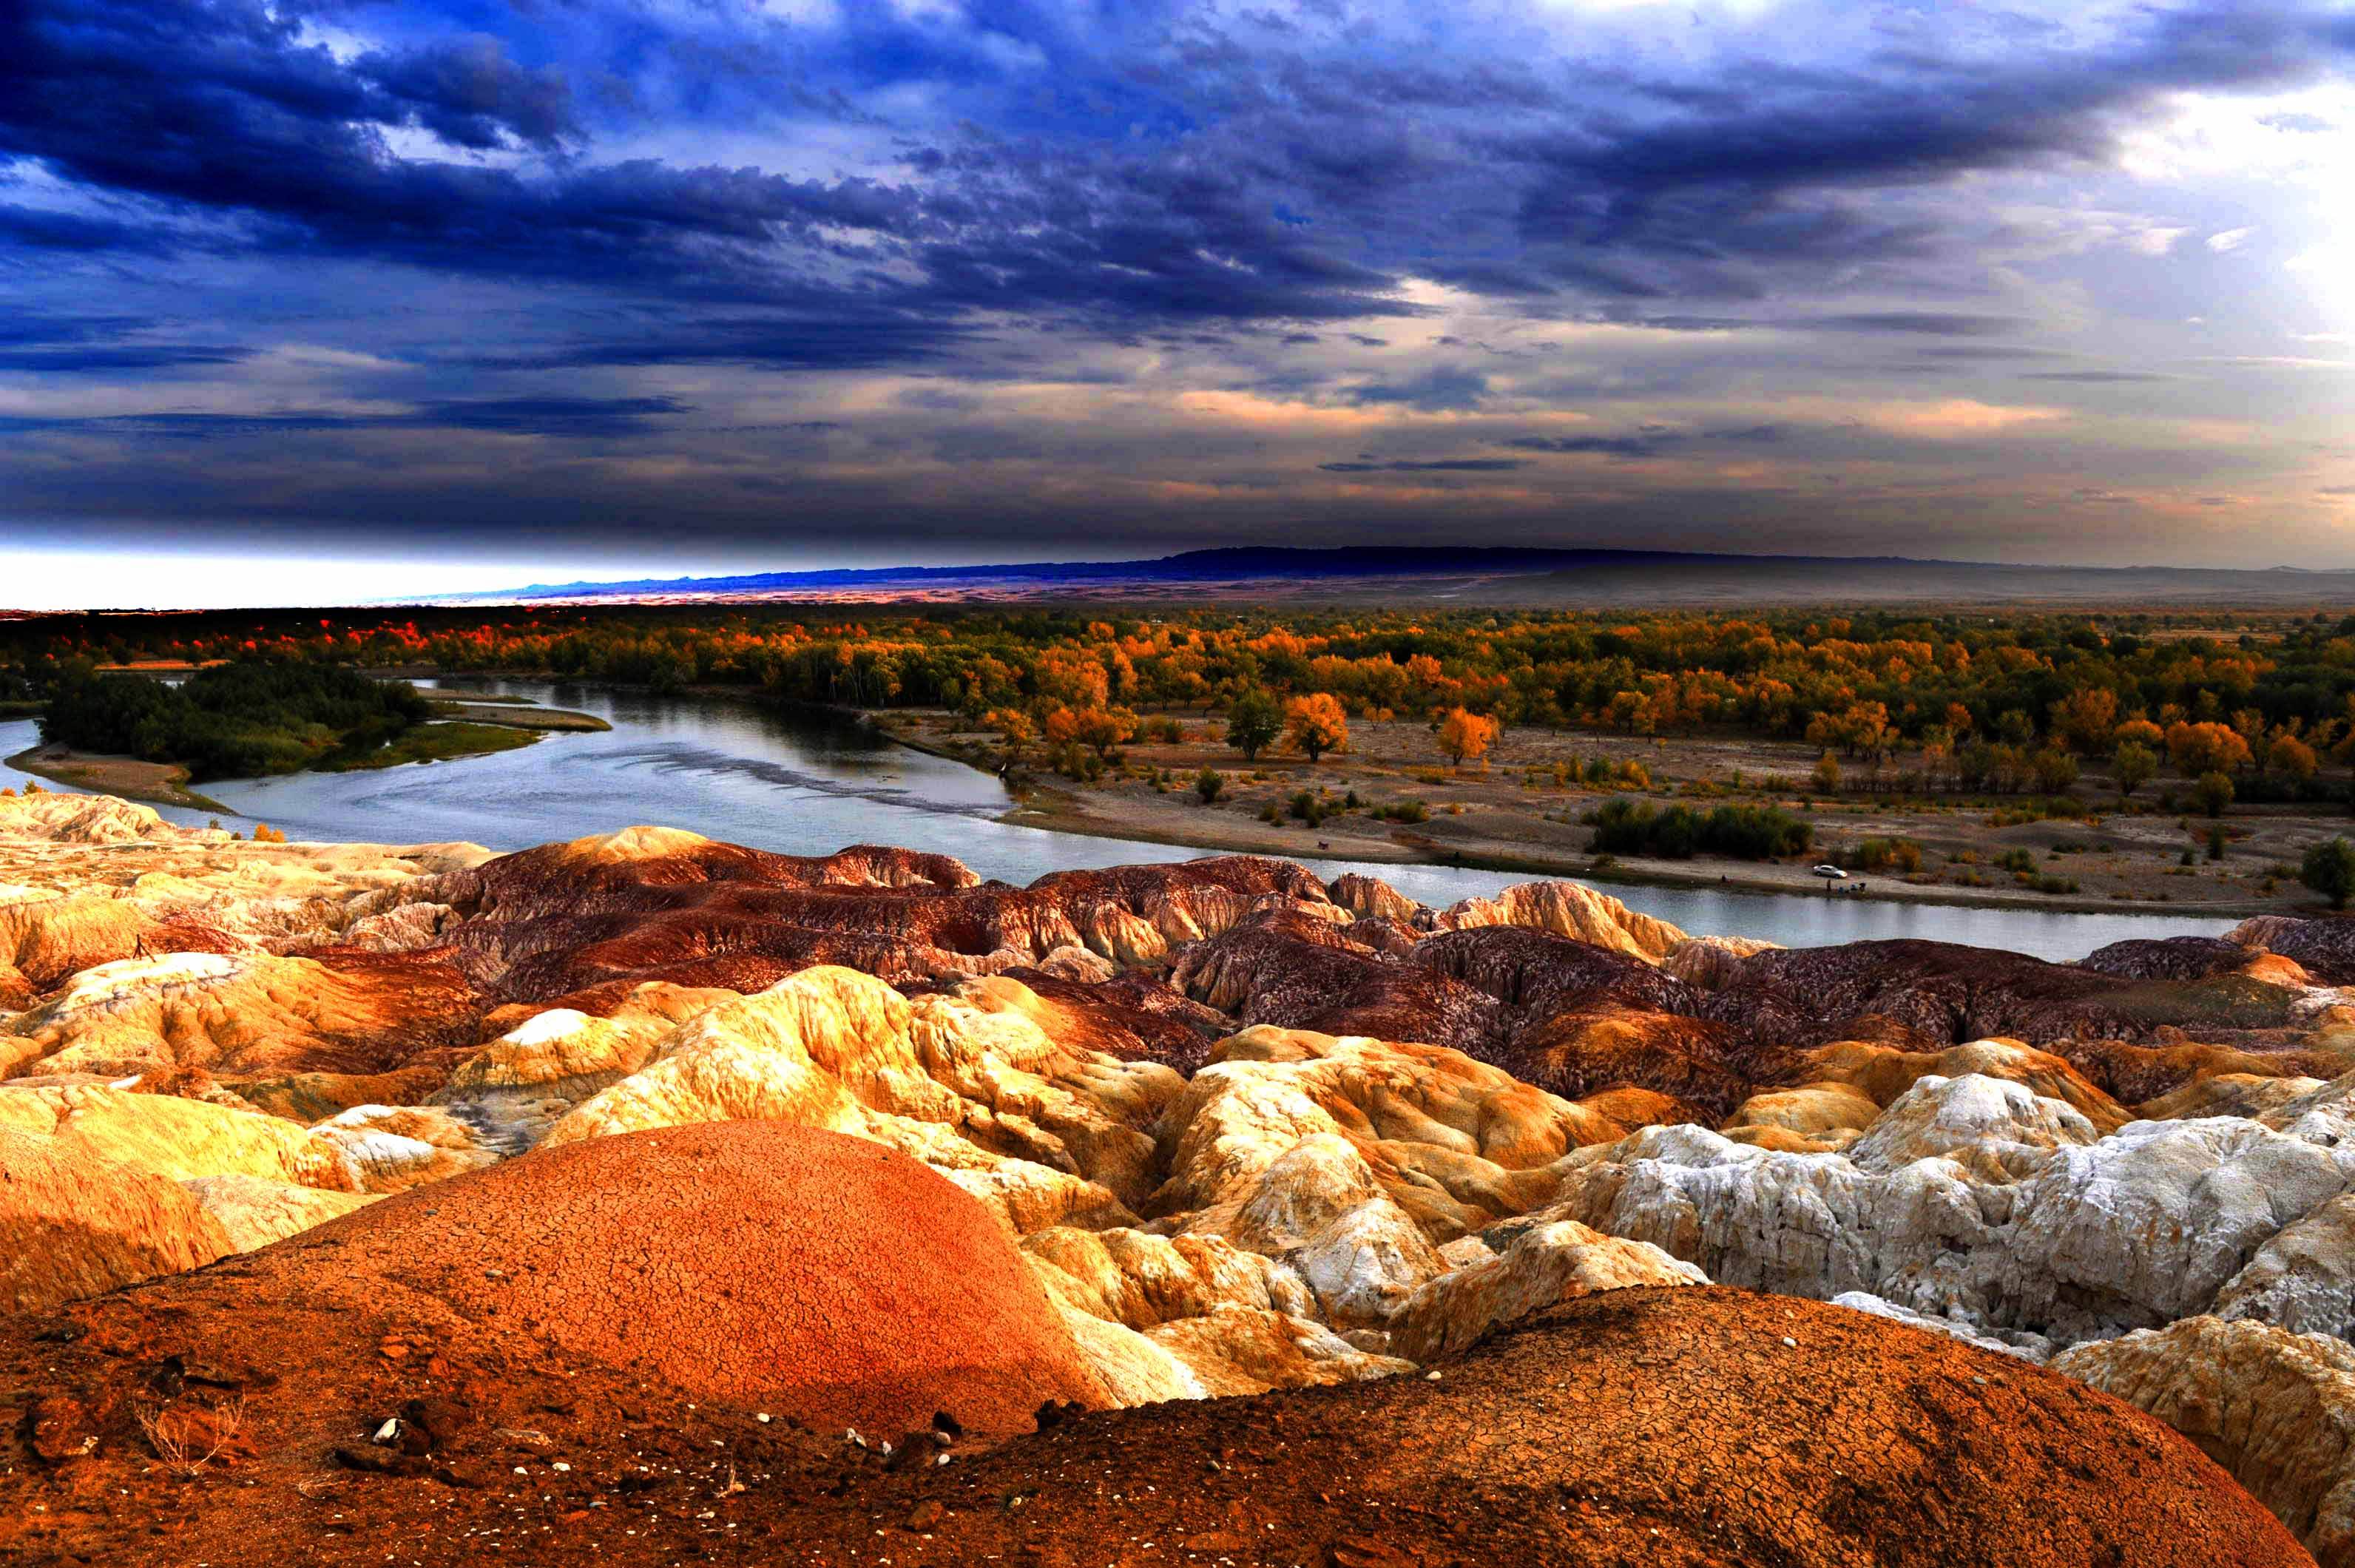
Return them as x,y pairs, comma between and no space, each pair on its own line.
1898,855
2215,792
1678,832
2330,869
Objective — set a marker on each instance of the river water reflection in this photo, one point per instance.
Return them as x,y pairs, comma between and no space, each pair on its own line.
807,783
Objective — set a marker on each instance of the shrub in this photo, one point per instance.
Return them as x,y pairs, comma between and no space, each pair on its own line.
2215,792
2134,765
1899,855
2290,755
2055,769
1403,811
1208,784
1678,832
2330,869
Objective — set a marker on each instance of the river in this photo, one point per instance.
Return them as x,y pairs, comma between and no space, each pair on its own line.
807,783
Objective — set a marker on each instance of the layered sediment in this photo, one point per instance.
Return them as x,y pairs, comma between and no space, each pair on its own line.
672,1118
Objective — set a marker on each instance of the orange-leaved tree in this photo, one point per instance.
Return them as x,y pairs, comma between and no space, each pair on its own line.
1101,728
1465,736
1315,724
2211,748
1013,727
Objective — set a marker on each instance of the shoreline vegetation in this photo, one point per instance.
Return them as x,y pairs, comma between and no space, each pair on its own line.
1052,805
2114,760
122,732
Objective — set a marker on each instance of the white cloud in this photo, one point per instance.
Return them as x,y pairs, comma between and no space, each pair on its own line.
2230,239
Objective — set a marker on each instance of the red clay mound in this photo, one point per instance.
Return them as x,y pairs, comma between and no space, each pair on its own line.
754,1264
839,1280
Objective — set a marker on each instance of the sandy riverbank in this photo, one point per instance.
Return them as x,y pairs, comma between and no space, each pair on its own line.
157,784
519,716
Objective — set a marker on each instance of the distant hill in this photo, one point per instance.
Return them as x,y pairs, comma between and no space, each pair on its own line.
1516,577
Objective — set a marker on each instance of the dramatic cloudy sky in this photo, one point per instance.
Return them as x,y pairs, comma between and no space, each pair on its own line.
448,290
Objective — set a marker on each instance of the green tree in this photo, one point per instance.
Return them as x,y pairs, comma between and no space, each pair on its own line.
1252,720
2056,770
2215,792
2330,869
1208,783
2134,766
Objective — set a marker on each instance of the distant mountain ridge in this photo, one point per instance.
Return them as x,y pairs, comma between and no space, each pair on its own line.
1232,563
1515,575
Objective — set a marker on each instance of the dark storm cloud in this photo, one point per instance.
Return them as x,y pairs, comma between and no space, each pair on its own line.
1733,177
29,229
467,93
1642,444
1602,445
222,107
113,361
1989,351
847,340
1926,323
2094,377
575,417
505,218
101,344
1274,169
1434,391
1441,466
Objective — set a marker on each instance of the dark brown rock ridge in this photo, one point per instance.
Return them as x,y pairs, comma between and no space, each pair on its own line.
1661,1426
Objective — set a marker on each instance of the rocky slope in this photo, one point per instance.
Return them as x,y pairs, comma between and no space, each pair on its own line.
1171,1132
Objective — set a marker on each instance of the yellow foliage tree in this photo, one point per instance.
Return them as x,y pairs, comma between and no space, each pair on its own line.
1102,729
1013,727
1315,724
1465,736
2198,749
